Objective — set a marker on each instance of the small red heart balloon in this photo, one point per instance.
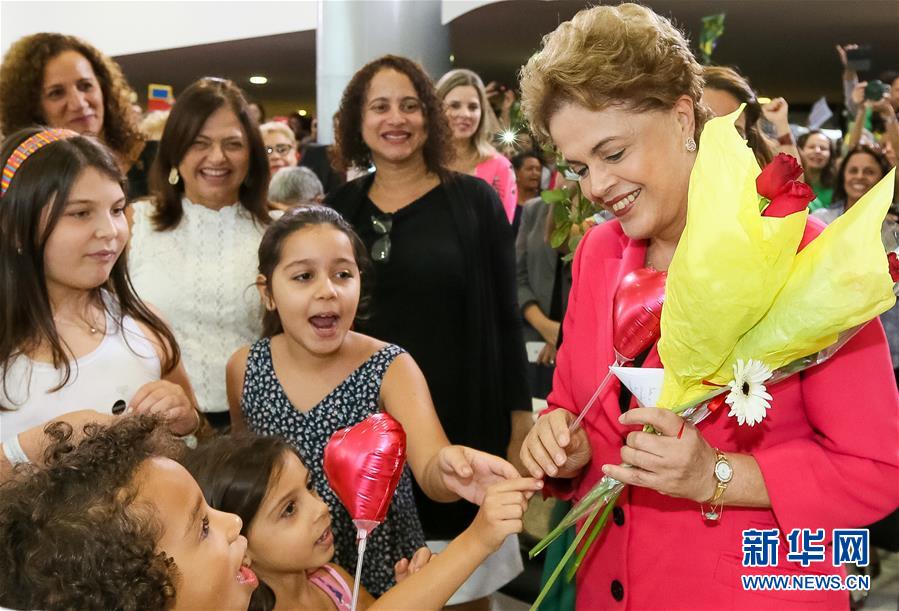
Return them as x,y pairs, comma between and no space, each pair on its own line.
637,312
363,464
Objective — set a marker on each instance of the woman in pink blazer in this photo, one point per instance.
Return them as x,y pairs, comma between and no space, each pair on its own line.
825,456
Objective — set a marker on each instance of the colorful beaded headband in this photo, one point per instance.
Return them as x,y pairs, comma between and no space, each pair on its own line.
28,148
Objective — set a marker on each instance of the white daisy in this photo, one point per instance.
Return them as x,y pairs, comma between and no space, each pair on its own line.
748,398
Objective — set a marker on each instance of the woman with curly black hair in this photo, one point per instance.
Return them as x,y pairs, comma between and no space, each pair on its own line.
62,81
116,523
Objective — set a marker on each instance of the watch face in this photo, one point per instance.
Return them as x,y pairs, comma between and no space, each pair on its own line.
723,471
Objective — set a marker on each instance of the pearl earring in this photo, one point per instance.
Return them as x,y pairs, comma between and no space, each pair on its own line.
691,144
174,177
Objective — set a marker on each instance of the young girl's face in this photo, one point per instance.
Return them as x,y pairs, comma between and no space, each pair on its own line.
89,236
315,287
292,529
206,544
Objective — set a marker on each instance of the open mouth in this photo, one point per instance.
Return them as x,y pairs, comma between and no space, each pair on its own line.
326,539
623,205
324,323
214,173
246,576
396,136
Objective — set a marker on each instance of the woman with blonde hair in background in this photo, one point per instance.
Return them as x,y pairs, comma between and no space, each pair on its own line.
473,125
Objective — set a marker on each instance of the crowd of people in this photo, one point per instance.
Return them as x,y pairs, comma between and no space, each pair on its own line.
191,310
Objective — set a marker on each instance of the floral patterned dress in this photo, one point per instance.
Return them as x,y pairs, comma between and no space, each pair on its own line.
267,411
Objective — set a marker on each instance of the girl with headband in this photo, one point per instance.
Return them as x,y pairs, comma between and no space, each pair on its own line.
76,343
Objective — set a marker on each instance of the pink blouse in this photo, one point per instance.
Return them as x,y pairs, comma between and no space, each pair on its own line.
827,451
498,173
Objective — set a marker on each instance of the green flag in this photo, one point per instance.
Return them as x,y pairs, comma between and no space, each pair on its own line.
712,29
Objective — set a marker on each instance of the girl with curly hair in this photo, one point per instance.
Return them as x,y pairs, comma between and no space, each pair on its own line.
116,523
289,531
444,278
62,81
75,340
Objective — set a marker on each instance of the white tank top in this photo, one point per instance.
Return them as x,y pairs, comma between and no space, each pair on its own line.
114,370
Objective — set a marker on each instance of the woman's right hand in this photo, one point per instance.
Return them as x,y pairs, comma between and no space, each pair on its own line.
549,449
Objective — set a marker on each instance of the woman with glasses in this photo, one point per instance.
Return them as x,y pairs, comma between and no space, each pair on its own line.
444,277
193,249
280,145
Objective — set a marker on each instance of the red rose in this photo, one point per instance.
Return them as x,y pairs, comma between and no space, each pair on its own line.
777,175
795,197
894,266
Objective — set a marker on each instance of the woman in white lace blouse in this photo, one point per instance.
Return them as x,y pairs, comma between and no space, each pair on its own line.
193,249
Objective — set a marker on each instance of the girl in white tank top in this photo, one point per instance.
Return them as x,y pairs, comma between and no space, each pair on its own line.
74,338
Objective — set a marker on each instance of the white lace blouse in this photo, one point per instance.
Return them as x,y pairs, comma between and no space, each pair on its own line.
201,276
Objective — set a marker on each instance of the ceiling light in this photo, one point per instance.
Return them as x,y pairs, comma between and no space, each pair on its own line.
258,79
302,112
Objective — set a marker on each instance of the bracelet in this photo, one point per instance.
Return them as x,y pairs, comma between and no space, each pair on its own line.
13,451
785,139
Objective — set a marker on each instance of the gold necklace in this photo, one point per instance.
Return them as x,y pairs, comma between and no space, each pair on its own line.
90,327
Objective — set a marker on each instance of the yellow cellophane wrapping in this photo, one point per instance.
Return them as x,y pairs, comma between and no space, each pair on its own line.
736,287
838,281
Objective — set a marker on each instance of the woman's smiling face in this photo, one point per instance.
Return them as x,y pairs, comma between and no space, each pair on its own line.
634,164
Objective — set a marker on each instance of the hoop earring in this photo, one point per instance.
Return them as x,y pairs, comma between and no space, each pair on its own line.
691,145
174,177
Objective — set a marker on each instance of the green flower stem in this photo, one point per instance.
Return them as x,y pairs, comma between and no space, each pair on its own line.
603,518
594,500
564,560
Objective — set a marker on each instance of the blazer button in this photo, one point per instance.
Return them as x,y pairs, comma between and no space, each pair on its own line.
618,516
617,590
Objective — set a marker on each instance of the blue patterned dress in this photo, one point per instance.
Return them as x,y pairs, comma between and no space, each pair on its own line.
267,411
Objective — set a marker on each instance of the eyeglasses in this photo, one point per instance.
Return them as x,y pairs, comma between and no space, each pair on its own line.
281,149
380,250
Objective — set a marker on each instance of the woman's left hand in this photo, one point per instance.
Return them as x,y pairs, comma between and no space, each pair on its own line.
169,402
469,472
677,462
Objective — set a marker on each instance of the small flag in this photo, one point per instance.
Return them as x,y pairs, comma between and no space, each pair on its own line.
159,97
712,29
819,113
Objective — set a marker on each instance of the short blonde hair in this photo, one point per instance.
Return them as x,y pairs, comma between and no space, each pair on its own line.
276,127
489,124
609,55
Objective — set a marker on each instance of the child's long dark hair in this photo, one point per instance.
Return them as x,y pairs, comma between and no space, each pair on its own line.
234,474
292,221
42,182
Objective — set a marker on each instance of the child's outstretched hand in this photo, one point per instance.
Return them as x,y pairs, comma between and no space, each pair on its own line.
502,511
406,567
469,472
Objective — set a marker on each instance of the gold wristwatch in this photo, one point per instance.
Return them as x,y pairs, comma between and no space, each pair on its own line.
724,473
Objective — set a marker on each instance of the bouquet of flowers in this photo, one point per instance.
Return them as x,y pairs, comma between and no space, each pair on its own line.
777,309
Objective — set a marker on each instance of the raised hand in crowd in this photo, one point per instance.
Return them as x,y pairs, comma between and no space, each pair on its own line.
169,402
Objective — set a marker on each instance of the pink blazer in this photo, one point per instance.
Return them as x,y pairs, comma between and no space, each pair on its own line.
498,173
827,450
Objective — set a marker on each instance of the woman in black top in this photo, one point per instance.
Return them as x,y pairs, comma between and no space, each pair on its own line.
444,285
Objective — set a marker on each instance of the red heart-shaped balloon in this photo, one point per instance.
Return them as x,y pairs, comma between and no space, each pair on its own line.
363,464
637,312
